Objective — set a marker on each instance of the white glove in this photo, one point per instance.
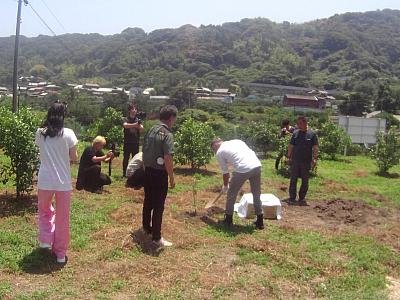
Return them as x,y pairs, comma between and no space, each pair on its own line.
225,189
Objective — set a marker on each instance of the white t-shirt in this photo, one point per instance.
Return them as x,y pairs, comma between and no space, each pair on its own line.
237,154
134,164
55,171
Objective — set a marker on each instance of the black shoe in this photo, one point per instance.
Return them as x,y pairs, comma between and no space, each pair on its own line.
96,191
227,221
259,222
292,202
303,202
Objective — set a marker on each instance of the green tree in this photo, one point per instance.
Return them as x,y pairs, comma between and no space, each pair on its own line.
332,140
354,105
259,135
182,96
117,101
193,144
386,100
85,108
110,126
39,70
17,136
386,152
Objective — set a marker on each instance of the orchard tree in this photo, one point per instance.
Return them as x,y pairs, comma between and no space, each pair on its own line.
119,101
386,152
182,96
17,141
355,105
110,126
193,144
332,140
259,135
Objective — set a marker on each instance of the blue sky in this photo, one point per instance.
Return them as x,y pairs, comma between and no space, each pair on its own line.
113,16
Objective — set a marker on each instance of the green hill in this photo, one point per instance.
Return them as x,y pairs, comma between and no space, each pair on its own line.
352,51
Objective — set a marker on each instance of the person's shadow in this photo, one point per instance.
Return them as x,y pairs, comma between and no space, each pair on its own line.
145,243
40,261
232,231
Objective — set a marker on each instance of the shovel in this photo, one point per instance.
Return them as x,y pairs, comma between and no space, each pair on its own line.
213,201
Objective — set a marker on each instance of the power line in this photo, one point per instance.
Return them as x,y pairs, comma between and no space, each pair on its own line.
49,28
58,21
41,19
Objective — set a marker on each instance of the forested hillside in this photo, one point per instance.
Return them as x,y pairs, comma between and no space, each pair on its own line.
353,51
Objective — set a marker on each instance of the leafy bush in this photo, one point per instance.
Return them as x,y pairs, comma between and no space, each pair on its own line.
386,152
332,140
221,127
17,140
110,126
355,149
260,136
193,144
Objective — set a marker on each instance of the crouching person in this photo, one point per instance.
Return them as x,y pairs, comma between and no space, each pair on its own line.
135,172
90,177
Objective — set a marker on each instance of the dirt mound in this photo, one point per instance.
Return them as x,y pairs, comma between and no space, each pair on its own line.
348,212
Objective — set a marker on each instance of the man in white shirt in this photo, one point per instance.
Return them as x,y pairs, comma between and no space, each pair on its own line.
246,166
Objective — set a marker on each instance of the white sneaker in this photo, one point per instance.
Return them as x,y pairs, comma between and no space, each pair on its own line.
44,246
61,260
162,243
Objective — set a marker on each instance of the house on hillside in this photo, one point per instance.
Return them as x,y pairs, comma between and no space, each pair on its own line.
223,94
202,92
220,93
89,86
53,89
304,102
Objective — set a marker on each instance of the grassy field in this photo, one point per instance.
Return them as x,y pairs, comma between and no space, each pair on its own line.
344,245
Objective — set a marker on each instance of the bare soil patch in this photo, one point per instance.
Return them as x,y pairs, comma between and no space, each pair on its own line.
346,216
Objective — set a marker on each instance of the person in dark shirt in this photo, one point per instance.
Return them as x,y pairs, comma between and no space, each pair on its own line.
90,177
303,155
158,149
286,129
132,129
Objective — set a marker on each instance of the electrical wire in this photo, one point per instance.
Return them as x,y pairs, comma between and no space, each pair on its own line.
58,21
49,28
41,19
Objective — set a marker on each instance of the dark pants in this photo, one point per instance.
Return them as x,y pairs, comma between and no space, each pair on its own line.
136,180
92,179
129,149
302,170
155,192
277,161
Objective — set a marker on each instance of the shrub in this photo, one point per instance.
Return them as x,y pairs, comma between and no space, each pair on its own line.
17,140
110,126
386,152
260,136
355,149
332,140
193,144
221,127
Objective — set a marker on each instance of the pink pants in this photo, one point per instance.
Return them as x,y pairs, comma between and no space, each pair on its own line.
54,223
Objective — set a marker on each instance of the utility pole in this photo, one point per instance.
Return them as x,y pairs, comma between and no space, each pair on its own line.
15,74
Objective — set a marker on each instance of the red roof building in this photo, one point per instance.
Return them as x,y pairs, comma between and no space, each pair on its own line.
304,101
